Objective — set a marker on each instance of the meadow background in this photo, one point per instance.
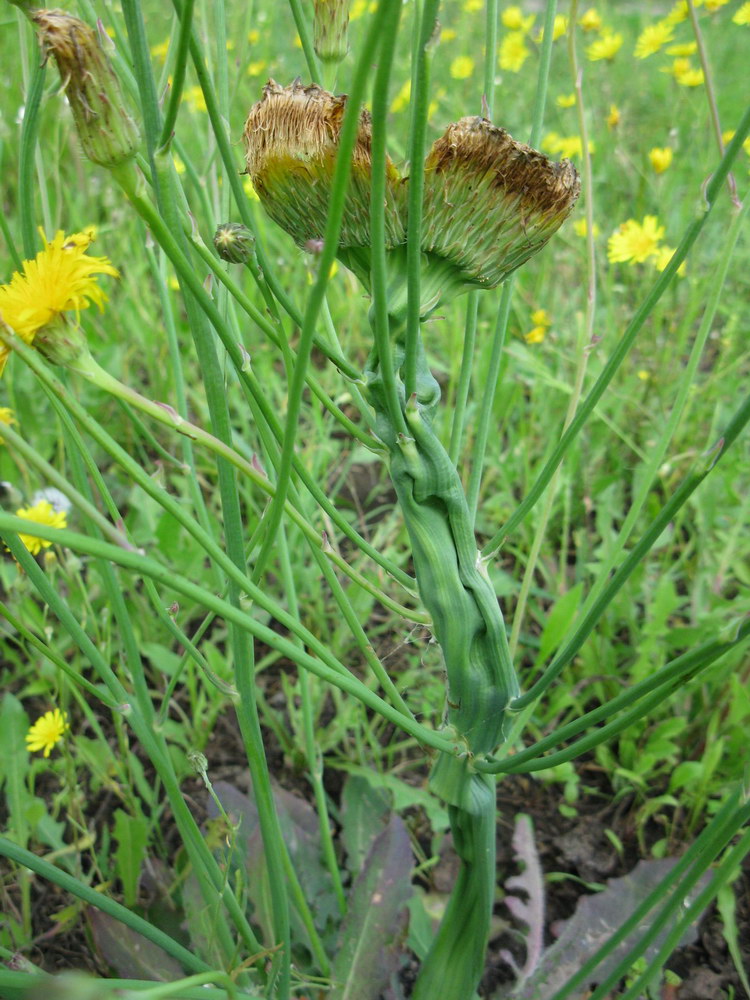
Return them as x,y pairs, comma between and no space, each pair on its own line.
651,133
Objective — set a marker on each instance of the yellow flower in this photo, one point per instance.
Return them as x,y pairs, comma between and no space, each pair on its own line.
360,7
471,6
462,67
714,5
591,20
565,146
401,100
6,416
179,164
663,256
42,513
680,12
558,29
565,100
643,375
581,229
160,51
193,97
613,118
742,14
661,158
47,731
256,68
253,36
682,49
540,317
448,34
652,38
605,47
726,138
634,241
535,335
513,51
59,279
690,76
513,19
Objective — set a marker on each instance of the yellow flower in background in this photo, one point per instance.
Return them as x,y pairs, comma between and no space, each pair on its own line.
653,38
540,317
360,7
462,67
179,165
714,5
613,118
6,416
680,12
513,51
61,278
160,51
565,146
193,97
47,731
682,49
643,375
565,101
634,242
472,6
742,15
558,29
253,36
726,138
513,19
663,256
605,47
660,158
591,20
448,34
536,335
41,513
581,228
256,68
401,100
687,76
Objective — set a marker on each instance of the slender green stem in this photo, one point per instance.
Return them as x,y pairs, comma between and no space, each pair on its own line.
26,172
464,379
625,343
303,30
178,72
101,902
419,104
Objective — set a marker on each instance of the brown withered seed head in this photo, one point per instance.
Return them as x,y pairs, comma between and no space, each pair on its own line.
291,141
108,134
492,202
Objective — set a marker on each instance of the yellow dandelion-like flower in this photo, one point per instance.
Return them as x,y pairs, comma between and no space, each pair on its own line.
42,513
472,6
256,68
614,116
513,51
663,256
565,101
6,416
742,14
713,5
513,19
591,20
660,158
605,47
558,29
462,67
679,13
193,97
536,335
634,242
690,77
581,228
682,49
47,731
59,279
160,51
653,38
448,34
540,317
568,147
643,375
253,36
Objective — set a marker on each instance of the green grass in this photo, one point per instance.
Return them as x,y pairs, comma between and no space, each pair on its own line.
691,588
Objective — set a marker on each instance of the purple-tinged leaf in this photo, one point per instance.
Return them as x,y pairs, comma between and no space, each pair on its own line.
370,932
530,910
131,955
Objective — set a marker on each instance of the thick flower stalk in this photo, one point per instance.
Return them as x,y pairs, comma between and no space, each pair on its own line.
489,204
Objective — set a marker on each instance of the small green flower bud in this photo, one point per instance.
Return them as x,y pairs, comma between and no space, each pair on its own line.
291,141
490,202
108,134
233,242
62,341
331,29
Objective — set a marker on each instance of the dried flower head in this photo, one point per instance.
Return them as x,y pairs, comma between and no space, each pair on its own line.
491,202
291,141
108,134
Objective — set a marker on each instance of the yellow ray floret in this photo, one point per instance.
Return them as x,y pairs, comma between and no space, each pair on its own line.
61,278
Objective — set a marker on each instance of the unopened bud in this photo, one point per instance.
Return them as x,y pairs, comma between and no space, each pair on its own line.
331,29
108,134
233,242
490,202
61,341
